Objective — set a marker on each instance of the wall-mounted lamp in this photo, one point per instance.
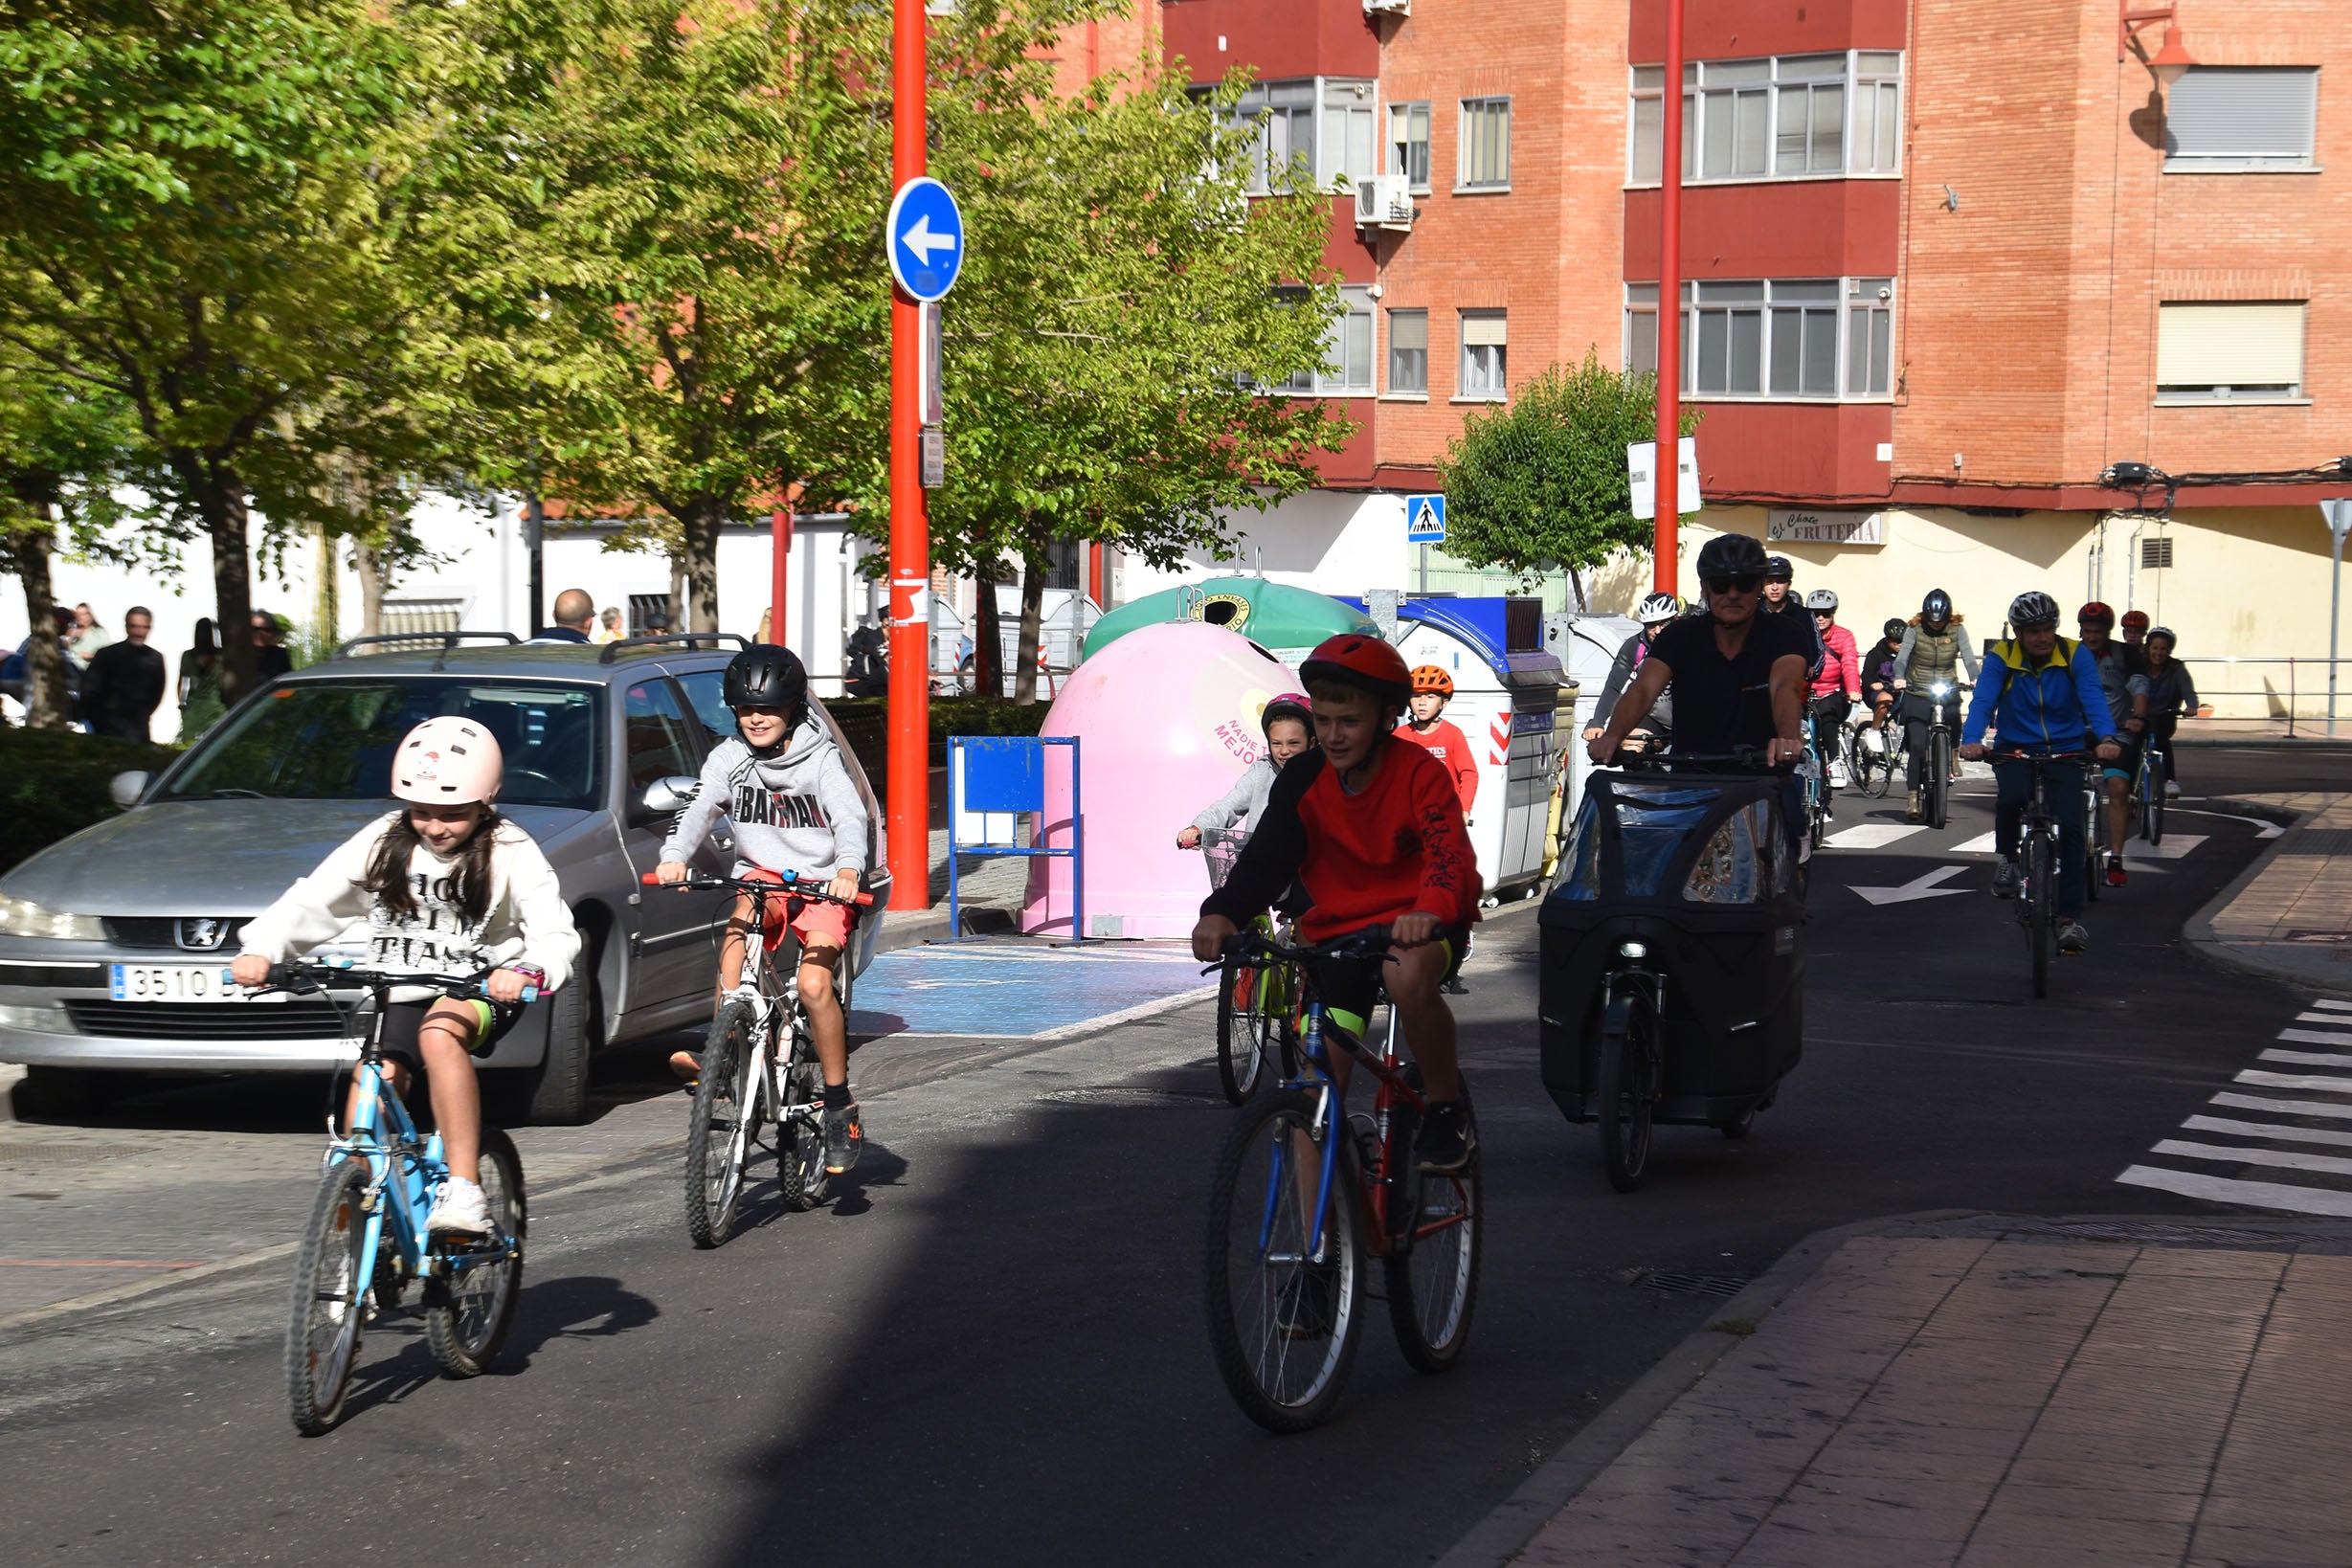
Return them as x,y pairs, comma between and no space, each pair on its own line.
1951,198
2168,62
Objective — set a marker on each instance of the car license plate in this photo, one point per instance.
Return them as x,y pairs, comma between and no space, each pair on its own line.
177,983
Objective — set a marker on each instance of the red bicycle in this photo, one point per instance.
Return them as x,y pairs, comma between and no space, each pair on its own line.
1306,1195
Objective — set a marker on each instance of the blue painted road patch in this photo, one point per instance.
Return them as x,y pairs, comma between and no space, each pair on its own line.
1009,993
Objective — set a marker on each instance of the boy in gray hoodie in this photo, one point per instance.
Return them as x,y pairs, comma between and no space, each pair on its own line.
795,810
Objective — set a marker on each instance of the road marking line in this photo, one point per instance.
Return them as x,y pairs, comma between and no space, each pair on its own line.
2173,848
2268,1130
98,1263
1980,844
2332,1006
2285,1158
1872,834
2251,1195
1127,1015
2308,1059
2290,1108
2313,1037
2333,1020
2294,1081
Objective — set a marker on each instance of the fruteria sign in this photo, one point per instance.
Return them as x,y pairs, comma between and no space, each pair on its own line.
1809,527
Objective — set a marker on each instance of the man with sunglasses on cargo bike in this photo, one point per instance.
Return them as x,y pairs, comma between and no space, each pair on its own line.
2040,692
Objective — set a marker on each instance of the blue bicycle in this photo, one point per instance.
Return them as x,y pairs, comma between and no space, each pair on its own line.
367,1239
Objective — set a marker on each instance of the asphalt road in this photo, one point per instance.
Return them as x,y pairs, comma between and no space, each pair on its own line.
990,1348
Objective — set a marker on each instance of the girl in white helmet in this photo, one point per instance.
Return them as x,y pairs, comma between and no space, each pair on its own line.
442,889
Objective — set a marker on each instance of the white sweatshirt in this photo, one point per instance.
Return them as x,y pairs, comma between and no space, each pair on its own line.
527,921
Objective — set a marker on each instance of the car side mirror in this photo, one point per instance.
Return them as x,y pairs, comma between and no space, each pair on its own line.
127,788
670,796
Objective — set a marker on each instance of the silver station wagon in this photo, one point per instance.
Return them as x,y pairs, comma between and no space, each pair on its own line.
114,943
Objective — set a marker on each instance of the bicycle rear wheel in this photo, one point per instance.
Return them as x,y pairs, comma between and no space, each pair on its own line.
800,1137
331,1271
1432,1263
1878,776
1937,778
2152,793
2041,886
1628,1090
466,1315
1243,1031
2094,806
721,1126
1285,1309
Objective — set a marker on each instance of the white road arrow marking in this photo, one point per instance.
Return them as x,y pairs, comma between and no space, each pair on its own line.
1918,887
2269,830
922,241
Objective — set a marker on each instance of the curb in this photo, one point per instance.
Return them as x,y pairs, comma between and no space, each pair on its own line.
2200,938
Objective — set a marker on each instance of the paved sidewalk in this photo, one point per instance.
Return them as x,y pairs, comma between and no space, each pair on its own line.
2004,1392
2290,916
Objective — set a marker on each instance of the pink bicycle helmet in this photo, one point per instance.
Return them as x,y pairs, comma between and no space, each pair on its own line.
447,761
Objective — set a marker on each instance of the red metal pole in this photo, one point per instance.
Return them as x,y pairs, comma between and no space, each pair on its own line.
780,536
1664,567
910,541
1095,565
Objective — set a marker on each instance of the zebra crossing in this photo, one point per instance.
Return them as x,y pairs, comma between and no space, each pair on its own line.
2277,1154
1885,835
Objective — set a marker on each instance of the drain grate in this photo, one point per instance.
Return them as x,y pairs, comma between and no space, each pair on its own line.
1675,1282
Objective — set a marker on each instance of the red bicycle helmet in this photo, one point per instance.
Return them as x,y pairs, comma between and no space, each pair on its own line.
1353,659
2096,611
2135,621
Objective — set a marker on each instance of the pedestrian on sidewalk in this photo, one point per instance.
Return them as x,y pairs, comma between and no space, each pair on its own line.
86,635
125,683
199,682
575,617
610,631
270,657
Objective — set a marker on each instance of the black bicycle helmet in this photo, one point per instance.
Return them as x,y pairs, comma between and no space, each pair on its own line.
1776,570
766,675
2033,609
1731,556
1935,608
1893,630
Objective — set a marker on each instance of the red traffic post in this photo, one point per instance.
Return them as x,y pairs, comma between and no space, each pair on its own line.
780,537
1665,569
909,777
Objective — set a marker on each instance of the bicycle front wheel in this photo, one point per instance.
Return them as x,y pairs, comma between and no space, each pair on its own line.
1284,1306
1242,1029
331,1271
2152,788
468,1315
1432,1263
2041,886
1939,778
721,1126
1628,1086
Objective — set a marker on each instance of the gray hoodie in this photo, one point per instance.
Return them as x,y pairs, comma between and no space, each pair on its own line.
796,812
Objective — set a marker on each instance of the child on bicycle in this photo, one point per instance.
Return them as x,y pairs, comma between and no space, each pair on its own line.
1373,827
445,887
781,779
1287,724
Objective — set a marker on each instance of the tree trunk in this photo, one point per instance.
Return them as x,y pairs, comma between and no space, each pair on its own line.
222,504
678,594
374,579
700,564
1575,581
1032,627
987,641
45,693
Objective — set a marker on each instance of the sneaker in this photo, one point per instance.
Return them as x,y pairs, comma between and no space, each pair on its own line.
688,1067
845,1138
1913,814
1454,987
1446,1138
2172,791
1307,1303
1874,742
2005,878
2073,939
1837,775
2116,876
460,1210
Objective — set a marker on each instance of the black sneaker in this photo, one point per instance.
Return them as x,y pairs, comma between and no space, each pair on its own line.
2005,878
845,1138
2073,939
1308,1304
1446,1138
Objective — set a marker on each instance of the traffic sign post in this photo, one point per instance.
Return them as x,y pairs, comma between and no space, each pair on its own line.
925,238
1424,525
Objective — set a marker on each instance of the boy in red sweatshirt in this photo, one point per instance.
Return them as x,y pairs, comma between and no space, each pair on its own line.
1374,832
1426,727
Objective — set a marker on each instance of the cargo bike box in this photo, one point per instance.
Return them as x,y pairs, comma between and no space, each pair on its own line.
1676,909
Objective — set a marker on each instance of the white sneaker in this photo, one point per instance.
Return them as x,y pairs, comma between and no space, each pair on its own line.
2172,791
460,1209
1837,775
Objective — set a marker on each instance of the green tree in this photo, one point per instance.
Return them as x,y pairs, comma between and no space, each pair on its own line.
202,214
1540,485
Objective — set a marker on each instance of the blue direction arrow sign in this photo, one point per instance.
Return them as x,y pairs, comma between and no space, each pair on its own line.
1425,520
926,239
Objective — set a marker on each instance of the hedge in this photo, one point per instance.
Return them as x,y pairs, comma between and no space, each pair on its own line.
54,783
866,723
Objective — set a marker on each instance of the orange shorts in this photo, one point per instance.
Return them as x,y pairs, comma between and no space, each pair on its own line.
807,920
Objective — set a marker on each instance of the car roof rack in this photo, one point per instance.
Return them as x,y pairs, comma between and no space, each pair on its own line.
447,640
663,639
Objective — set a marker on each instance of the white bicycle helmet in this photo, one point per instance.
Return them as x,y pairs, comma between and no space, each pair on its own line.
1821,598
1658,609
2033,608
447,761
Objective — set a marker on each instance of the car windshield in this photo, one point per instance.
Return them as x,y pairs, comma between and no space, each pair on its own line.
333,740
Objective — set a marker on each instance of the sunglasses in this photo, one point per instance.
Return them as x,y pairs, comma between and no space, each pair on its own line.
1747,582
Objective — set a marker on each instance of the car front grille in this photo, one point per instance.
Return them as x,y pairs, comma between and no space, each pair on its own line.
206,1021
163,931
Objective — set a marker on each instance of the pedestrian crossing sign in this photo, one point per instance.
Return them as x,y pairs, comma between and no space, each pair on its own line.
1425,520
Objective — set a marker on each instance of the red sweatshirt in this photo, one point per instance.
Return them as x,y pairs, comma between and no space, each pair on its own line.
1452,748
1364,859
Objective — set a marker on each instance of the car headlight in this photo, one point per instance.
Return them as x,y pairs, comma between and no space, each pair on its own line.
22,917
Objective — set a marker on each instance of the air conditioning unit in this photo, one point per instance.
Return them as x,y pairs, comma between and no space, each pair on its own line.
1388,8
1384,201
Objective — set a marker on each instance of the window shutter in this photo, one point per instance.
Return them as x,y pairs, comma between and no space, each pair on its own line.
2257,113
1485,330
1409,328
2229,345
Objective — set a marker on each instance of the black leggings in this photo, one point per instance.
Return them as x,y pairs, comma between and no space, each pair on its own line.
1919,716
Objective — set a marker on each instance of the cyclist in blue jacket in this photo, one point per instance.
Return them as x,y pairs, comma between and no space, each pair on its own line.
2040,692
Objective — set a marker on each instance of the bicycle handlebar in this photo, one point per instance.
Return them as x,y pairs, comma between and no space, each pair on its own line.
798,885
2019,754
300,975
1747,757
1370,942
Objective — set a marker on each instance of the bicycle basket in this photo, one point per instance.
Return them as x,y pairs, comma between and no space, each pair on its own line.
1220,850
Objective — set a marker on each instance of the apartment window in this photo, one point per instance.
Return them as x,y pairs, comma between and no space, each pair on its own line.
1485,334
1408,351
1486,144
1788,117
1283,148
2241,116
1348,133
1408,143
1347,349
1783,339
2237,348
